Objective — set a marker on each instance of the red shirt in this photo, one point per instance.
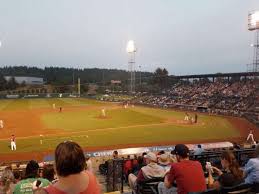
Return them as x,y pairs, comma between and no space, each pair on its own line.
127,166
93,187
188,175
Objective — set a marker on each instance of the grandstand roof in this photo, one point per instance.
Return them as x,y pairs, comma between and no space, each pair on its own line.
240,74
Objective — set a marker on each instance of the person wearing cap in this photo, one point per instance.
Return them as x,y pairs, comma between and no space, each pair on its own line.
150,171
163,161
188,175
32,181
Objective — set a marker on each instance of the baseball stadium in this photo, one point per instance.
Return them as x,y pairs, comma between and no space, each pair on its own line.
39,127
140,129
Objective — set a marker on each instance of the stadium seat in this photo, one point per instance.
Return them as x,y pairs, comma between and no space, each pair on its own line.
239,189
149,186
209,191
255,188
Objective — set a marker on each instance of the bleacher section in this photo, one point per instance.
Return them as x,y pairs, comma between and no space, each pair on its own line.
114,178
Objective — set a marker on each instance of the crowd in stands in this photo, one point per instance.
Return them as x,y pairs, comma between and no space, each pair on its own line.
220,97
176,173
179,171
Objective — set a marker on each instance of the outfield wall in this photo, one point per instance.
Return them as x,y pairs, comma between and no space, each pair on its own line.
47,95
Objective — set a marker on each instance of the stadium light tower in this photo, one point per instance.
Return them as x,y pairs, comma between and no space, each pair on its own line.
131,50
253,25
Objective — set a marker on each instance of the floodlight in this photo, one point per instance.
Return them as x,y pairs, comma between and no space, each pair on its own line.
253,20
131,47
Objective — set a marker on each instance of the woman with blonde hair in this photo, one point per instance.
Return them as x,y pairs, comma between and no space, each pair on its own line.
7,181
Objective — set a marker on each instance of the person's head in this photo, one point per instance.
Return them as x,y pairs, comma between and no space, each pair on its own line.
31,170
17,175
115,154
6,179
69,159
181,151
199,145
257,150
140,160
48,172
161,152
163,159
229,162
151,158
18,165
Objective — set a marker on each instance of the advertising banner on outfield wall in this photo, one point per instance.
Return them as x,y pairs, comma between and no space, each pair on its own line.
49,95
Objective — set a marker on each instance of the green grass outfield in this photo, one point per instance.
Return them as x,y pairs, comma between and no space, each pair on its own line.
80,121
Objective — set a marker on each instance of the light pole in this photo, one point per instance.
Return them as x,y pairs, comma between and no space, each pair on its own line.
253,25
140,76
131,50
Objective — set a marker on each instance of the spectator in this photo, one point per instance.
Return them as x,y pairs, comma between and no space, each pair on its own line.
72,176
7,182
17,176
48,172
135,161
161,152
236,146
188,175
89,165
198,150
144,157
128,165
163,161
139,165
232,174
115,154
251,170
31,180
152,170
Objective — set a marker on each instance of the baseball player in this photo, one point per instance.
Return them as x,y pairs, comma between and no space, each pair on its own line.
1,124
186,118
13,143
251,136
103,113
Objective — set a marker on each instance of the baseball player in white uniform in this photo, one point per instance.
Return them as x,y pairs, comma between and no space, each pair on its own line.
13,143
186,118
251,136
103,113
1,124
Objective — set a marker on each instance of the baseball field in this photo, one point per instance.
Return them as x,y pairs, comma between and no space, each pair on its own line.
39,127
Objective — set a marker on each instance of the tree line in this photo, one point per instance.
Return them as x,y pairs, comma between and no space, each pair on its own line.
60,76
